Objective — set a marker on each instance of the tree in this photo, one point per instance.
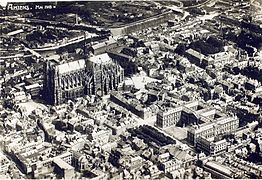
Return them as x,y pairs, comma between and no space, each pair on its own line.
180,49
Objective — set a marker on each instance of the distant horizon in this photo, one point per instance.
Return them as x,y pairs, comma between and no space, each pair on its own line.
3,3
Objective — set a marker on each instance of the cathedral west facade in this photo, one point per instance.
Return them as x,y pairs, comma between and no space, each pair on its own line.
98,75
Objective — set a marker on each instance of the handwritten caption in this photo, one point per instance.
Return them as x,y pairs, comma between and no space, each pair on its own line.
16,7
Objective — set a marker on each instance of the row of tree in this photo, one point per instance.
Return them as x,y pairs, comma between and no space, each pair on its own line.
150,134
211,45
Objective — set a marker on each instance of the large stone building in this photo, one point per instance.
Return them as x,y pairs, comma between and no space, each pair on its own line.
203,121
181,114
218,126
170,117
213,146
97,75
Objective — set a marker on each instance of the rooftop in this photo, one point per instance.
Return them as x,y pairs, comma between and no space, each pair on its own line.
219,167
194,53
71,66
62,164
100,59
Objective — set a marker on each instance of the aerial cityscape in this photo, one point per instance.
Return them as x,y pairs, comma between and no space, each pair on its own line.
131,89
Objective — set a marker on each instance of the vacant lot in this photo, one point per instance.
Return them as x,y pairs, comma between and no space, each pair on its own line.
177,132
